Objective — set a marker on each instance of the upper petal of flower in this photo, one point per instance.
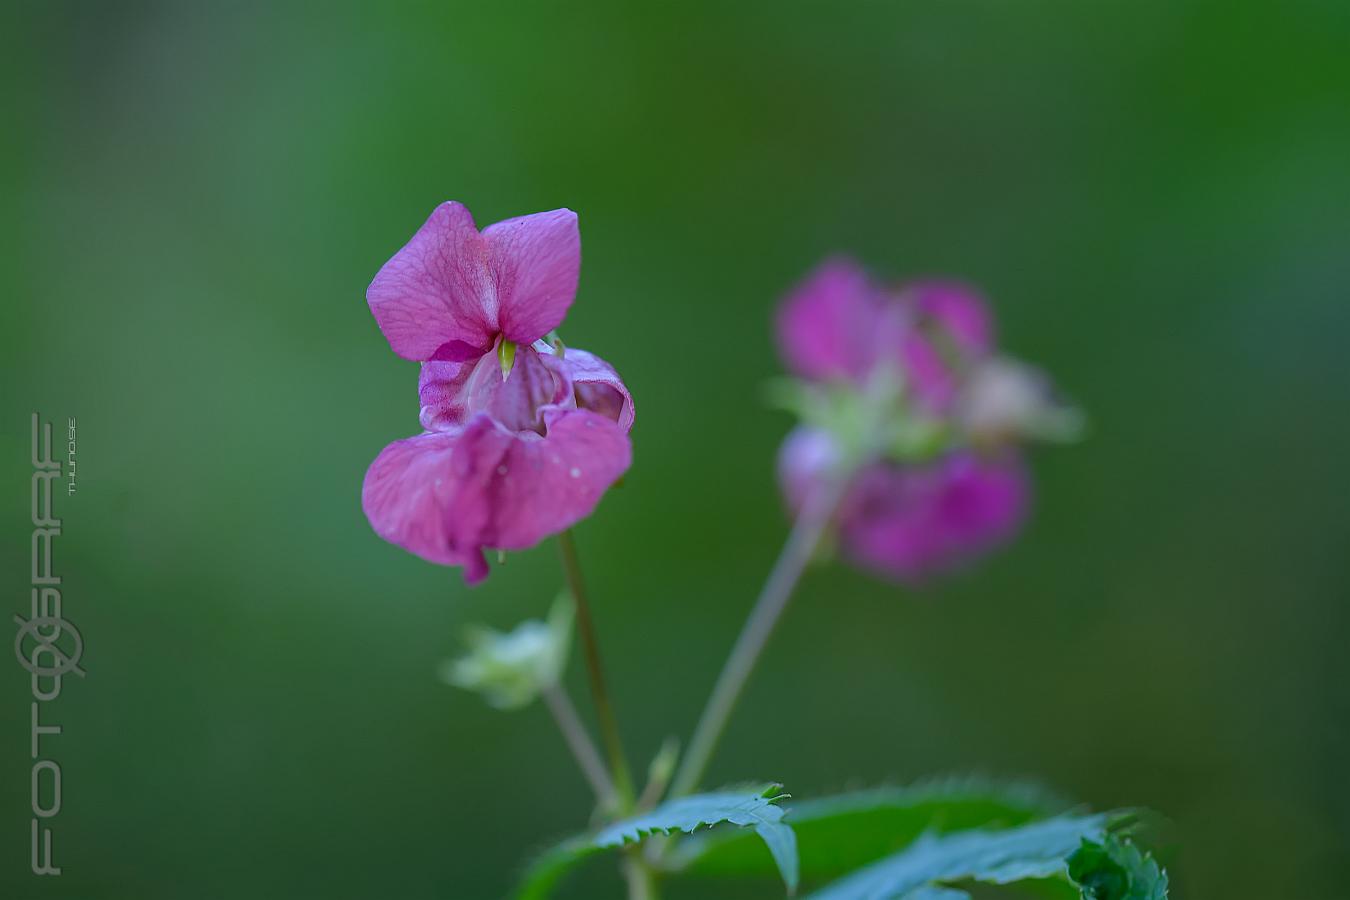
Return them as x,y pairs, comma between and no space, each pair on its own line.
928,373
951,329
958,310
535,262
828,325
434,298
451,290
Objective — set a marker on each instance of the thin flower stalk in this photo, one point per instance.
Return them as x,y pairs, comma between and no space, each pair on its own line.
810,527
581,745
604,708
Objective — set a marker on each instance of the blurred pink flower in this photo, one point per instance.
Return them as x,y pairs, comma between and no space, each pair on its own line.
905,518
913,520
520,442
840,325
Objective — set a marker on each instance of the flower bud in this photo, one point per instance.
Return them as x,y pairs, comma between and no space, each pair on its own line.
1005,400
510,669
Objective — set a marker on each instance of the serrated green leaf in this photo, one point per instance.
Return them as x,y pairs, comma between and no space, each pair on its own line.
1115,869
687,814
839,834
755,809
752,808
1036,850
782,843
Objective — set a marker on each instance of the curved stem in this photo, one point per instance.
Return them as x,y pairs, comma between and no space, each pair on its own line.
604,710
806,533
639,876
579,742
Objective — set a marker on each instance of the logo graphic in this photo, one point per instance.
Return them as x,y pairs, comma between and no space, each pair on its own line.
45,646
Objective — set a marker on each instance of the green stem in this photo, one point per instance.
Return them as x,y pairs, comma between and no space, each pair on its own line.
604,709
810,526
640,876
579,742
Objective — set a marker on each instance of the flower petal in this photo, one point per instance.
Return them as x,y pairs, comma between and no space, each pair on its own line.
954,329
959,310
929,374
446,495
409,495
827,327
452,392
434,299
535,261
598,387
441,388
910,522
545,484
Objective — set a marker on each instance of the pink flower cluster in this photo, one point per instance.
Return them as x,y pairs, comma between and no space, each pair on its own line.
521,437
904,518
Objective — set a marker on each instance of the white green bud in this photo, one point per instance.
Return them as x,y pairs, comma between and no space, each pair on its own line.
510,669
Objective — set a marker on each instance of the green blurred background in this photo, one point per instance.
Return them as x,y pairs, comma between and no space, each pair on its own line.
196,195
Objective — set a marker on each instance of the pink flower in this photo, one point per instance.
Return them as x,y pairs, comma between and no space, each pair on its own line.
841,325
907,518
521,441
911,521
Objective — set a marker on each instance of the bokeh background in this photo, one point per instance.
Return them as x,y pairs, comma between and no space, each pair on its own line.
1154,194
